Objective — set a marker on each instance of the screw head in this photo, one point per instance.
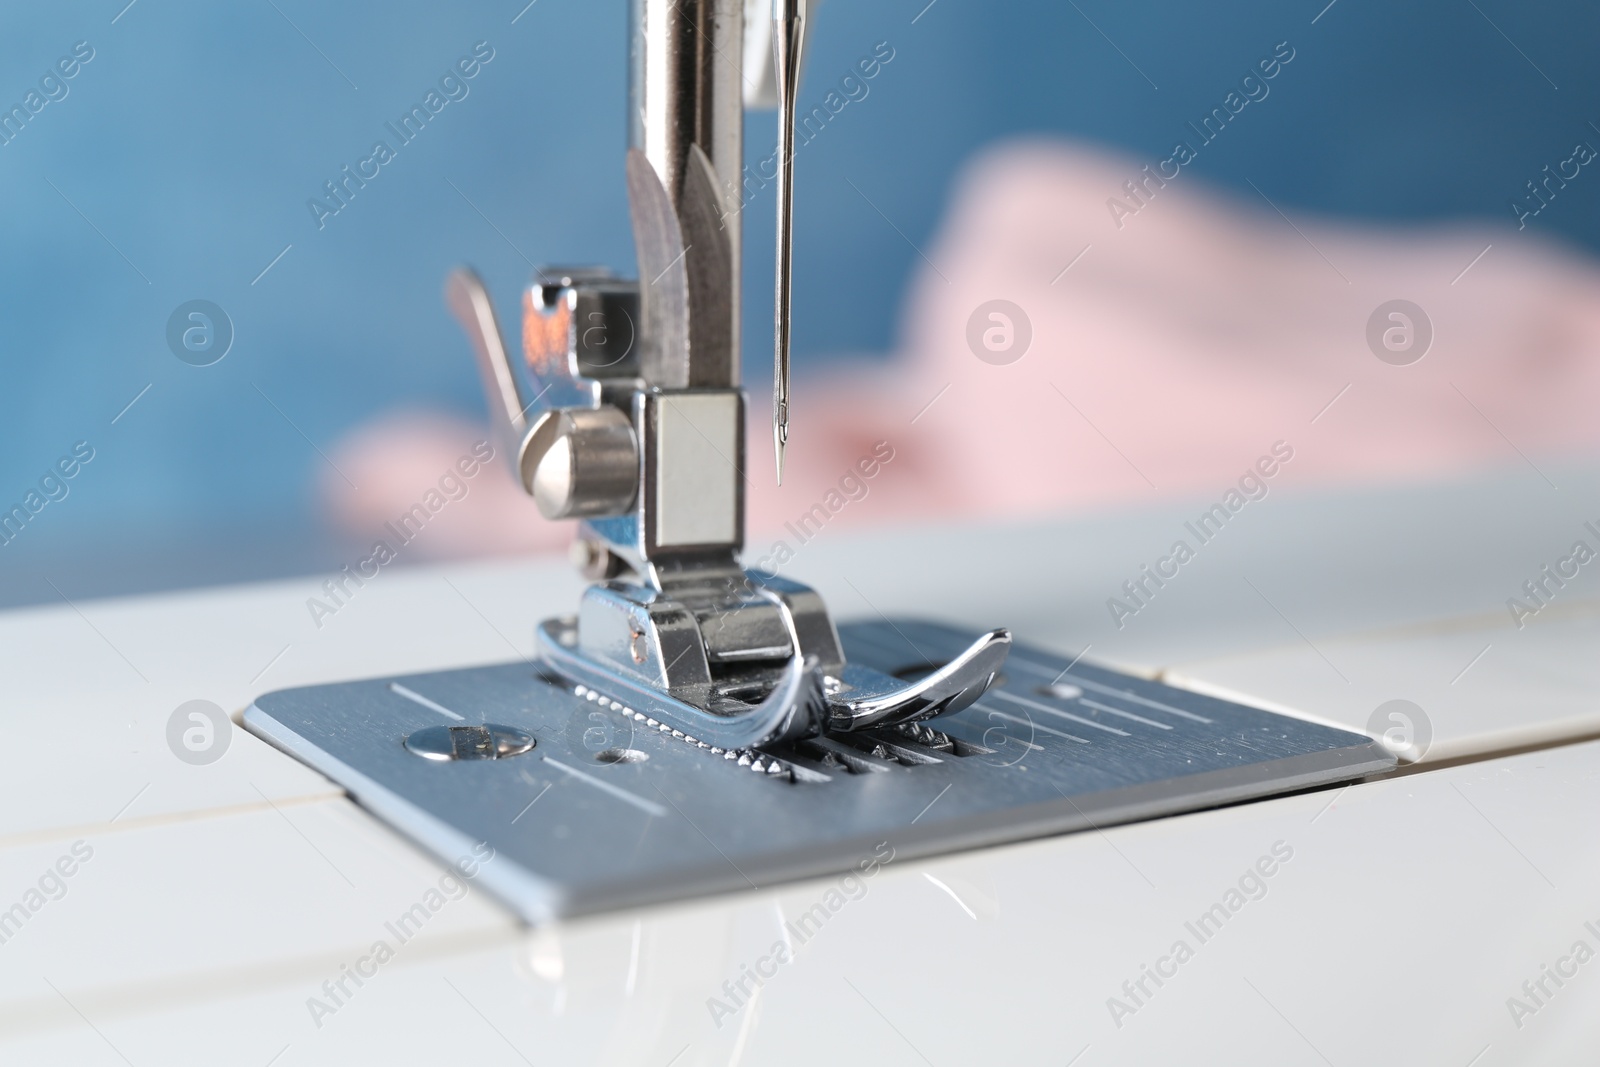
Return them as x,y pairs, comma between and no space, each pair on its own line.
489,741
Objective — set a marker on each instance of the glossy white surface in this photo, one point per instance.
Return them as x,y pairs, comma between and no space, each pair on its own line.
1483,687
219,898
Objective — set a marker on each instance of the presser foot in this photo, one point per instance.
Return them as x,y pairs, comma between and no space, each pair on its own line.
708,715
741,671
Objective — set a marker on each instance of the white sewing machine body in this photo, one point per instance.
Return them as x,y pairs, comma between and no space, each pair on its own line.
248,908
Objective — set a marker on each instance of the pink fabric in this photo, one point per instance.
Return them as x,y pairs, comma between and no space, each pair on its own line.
1168,359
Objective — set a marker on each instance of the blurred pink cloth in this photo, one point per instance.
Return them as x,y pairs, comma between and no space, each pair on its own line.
1176,350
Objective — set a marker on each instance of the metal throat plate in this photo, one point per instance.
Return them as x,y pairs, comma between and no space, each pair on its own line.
607,811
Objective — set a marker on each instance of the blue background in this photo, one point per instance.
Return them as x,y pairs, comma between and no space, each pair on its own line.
192,141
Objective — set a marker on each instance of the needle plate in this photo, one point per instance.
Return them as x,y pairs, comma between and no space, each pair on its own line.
609,810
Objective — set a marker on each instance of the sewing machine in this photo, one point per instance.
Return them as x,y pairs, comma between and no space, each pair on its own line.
696,820
714,714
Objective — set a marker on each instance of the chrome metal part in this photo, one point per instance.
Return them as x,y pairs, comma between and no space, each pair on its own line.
594,560
686,91
469,302
576,456
708,257
792,707
693,478
720,648
788,40
686,261
581,334
700,640
645,441
696,817
760,67
664,296
588,463
489,741
865,701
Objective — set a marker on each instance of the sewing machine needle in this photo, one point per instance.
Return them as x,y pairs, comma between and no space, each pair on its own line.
788,36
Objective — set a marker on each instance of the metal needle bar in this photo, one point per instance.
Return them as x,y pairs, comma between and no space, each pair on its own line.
789,18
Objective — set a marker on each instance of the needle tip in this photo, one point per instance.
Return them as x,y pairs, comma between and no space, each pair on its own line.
780,436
